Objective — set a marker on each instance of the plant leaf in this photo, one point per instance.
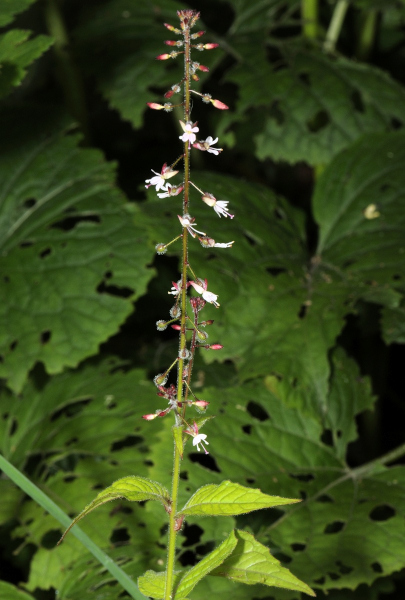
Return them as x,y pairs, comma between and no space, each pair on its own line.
153,584
17,52
10,592
10,8
251,563
204,567
67,240
132,488
229,498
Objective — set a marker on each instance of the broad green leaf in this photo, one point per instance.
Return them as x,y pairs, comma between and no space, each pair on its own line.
153,584
314,105
73,259
132,488
347,530
10,592
10,8
357,204
230,498
17,52
251,563
204,567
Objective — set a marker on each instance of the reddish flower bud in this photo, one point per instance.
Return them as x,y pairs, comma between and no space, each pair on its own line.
195,77
203,68
163,56
155,105
197,35
201,403
171,28
172,42
219,104
210,46
216,347
169,94
149,417
176,327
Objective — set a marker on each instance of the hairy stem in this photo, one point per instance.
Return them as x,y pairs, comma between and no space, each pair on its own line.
171,548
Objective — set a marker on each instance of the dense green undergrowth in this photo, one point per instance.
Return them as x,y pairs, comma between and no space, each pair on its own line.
308,384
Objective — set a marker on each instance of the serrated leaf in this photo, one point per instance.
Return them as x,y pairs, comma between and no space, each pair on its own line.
10,592
153,584
316,105
70,254
393,325
17,52
204,567
251,563
10,8
132,488
230,498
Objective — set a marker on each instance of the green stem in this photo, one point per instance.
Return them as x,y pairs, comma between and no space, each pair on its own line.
309,12
67,72
366,38
335,26
171,548
53,509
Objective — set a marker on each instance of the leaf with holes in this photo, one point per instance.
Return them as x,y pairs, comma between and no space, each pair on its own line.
251,563
17,52
72,259
229,499
314,105
347,530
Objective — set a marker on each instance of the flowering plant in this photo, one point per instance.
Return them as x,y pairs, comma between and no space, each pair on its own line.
239,557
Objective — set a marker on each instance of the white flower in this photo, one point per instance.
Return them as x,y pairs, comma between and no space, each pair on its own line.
206,145
171,190
190,130
188,222
175,290
208,296
200,439
159,180
227,245
220,206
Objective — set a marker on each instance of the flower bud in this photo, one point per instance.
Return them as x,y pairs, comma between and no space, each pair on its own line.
160,379
149,417
202,335
155,105
171,28
178,43
163,56
219,104
194,36
185,354
201,403
212,347
175,311
176,327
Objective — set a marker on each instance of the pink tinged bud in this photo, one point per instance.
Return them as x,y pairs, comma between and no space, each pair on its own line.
176,327
171,28
195,77
155,105
201,403
210,46
163,57
149,417
203,68
173,43
197,35
215,347
169,94
219,104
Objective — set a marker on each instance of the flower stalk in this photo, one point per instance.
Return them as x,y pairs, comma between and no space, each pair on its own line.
190,338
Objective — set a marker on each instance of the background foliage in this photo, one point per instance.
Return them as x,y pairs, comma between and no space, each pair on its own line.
308,389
